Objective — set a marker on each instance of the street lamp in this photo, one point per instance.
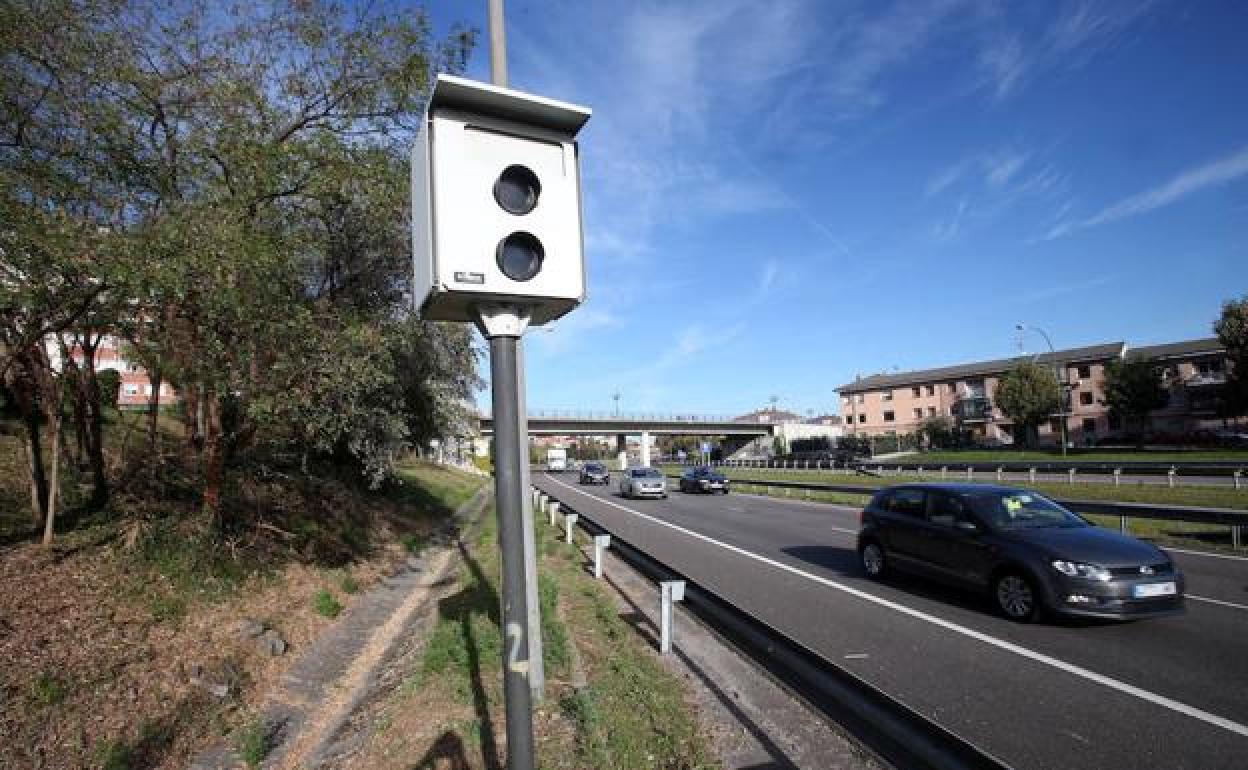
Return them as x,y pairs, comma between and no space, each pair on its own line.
1057,370
616,396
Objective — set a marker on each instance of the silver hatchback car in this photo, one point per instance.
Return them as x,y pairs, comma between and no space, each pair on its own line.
643,482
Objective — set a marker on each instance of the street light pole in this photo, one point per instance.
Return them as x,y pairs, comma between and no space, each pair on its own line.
1057,370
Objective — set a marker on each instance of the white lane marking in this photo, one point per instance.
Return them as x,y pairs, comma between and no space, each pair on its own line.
1205,553
1039,657
1217,601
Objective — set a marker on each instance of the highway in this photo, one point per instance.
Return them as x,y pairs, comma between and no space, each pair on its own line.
1167,693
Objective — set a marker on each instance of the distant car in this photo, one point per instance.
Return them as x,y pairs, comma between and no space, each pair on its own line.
1028,553
703,479
595,473
643,482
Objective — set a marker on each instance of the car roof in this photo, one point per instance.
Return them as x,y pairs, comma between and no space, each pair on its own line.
955,487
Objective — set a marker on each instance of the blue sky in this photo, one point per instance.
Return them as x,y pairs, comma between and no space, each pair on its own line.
780,195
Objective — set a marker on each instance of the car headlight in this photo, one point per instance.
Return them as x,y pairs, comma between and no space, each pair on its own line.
1075,569
705,482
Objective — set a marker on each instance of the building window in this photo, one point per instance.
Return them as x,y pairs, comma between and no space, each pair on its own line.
915,391
862,418
861,398
918,413
1085,372
931,390
1085,398
888,417
931,411
886,395
1089,427
131,390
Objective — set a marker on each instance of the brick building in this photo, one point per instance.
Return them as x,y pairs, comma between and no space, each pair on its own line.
136,387
886,404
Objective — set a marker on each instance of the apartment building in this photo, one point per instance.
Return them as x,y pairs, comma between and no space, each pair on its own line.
897,403
136,385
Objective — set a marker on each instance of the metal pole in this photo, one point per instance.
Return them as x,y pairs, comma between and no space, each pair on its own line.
537,674
509,493
498,45
515,519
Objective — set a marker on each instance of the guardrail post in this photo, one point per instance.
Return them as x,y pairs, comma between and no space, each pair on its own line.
601,543
1117,477
944,472
1123,526
1072,475
553,509
918,471
1236,535
1031,475
1170,476
669,591
1000,474
970,473
569,521
1235,477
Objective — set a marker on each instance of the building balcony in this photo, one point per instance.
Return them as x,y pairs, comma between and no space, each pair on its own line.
972,409
1206,380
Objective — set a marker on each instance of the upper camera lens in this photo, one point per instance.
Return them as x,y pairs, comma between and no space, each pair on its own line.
520,256
517,190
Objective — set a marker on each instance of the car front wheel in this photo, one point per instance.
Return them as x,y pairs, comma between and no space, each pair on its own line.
873,561
1016,597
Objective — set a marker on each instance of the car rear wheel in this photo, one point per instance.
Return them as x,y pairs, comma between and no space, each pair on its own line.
873,561
1017,597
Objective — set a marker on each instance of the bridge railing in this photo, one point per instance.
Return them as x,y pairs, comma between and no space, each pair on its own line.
574,414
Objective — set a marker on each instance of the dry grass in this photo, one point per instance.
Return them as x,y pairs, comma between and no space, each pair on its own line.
99,639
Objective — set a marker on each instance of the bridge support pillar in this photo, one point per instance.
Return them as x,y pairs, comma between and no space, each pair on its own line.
645,449
621,451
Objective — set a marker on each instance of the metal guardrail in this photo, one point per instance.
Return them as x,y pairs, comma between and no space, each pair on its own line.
894,731
1142,467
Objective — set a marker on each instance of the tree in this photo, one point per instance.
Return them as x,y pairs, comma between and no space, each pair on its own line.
1133,388
247,167
1232,331
1028,394
938,430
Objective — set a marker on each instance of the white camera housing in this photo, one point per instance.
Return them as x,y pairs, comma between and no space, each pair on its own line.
471,134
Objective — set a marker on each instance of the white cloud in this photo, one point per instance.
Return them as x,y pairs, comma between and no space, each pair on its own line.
1221,171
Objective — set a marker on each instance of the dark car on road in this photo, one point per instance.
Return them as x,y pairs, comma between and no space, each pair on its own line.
595,473
1031,555
703,479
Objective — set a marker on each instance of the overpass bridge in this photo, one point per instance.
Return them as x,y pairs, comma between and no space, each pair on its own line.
738,433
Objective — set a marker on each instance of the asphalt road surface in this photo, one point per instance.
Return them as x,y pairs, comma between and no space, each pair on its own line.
1165,693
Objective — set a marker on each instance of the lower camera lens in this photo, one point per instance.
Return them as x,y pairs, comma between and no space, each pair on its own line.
520,256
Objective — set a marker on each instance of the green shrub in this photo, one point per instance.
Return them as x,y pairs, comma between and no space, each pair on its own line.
48,690
326,604
254,742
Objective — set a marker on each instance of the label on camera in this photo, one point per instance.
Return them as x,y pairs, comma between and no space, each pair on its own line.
470,277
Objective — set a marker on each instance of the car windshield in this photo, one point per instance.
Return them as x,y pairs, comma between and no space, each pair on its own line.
593,467
1018,509
645,473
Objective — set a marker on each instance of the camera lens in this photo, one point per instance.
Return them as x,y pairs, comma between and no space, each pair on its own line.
517,190
520,256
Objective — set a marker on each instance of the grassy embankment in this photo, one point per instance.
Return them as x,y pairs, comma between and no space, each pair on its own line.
1173,532
110,622
609,701
1076,455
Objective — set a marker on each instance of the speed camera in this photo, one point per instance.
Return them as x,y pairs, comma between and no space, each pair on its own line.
496,203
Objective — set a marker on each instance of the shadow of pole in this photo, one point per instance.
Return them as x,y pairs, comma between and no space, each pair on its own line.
461,607
448,746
